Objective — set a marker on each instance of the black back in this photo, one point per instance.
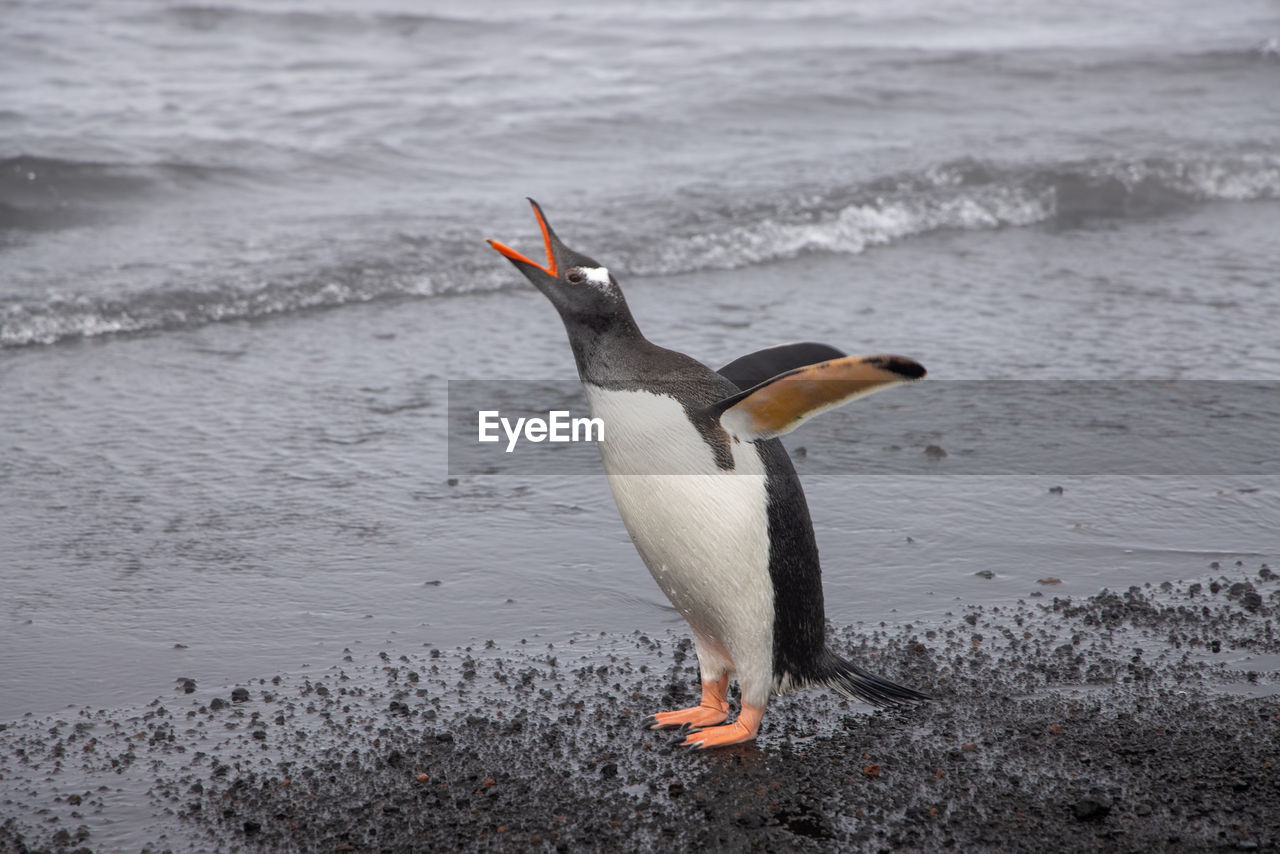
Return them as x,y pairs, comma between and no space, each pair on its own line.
799,623
754,368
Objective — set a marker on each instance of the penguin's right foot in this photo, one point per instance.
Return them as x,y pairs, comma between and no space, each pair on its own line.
743,729
713,709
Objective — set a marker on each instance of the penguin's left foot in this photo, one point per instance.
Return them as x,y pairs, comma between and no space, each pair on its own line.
743,729
713,709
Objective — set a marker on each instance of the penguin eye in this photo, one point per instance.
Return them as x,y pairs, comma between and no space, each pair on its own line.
576,277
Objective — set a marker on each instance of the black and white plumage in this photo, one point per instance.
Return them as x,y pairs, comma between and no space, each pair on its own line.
708,493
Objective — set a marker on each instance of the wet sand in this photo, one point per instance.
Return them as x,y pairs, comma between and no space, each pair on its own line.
1138,720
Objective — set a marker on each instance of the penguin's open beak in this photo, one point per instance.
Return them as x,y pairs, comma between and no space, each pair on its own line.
549,240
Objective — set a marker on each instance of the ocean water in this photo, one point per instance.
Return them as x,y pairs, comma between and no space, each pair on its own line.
242,255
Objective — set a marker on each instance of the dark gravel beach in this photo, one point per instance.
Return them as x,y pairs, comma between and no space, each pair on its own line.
1135,720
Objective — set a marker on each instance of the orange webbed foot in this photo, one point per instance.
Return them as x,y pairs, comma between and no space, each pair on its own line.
695,716
713,709
743,729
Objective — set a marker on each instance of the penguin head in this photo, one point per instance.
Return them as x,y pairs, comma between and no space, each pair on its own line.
576,285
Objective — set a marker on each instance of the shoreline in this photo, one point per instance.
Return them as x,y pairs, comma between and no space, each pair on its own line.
1058,725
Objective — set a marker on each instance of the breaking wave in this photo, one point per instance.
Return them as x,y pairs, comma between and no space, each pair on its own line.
965,194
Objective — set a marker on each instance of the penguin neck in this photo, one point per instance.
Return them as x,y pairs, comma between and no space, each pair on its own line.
606,347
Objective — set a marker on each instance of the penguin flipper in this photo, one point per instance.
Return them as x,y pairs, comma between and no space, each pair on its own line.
754,368
780,404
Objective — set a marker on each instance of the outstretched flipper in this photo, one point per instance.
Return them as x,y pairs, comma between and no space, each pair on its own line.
782,403
754,368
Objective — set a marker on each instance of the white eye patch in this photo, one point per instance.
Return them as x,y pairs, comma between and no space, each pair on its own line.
598,276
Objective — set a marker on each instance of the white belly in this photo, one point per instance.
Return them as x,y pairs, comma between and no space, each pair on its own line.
702,532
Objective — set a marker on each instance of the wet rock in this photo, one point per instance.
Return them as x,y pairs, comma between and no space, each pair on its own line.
1091,808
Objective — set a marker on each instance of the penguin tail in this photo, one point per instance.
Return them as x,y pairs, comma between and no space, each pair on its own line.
845,677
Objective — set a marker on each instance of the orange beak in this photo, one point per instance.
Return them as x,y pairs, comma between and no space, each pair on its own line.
550,268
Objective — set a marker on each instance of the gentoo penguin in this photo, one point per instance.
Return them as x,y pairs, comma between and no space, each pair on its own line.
708,493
